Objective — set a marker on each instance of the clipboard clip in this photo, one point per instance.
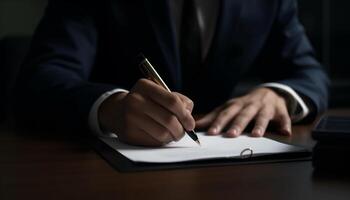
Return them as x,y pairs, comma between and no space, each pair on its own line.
246,153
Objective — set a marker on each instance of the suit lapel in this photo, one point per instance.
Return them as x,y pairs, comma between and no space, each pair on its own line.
160,19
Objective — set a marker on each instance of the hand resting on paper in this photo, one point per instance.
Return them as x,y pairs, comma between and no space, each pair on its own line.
261,105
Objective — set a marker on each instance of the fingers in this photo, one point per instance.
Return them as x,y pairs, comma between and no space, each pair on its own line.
223,118
156,131
152,121
158,117
165,118
140,139
148,126
262,106
279,114
284,121
262,121
167,100
242,120
286,127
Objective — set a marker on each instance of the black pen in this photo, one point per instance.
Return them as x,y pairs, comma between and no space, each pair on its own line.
149,71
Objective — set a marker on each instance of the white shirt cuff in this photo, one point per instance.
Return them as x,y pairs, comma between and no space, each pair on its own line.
296,105
94,124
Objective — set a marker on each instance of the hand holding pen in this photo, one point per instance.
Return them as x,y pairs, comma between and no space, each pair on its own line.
148,115
149,71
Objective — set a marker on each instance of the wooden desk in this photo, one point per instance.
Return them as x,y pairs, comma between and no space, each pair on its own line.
65,167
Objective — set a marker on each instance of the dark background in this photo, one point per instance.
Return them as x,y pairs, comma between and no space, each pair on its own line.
328,26
326,23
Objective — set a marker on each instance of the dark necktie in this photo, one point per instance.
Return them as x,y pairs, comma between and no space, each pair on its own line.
190,44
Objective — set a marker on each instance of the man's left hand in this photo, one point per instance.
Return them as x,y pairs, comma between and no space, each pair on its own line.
263,105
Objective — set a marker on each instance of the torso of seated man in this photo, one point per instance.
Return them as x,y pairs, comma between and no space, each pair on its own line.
100,42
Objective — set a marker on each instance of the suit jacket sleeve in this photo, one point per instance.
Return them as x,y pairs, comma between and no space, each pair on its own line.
53,88
288,58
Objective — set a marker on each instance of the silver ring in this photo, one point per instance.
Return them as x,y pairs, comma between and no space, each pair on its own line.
244,155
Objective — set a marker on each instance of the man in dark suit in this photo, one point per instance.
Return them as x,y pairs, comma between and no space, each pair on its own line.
81,71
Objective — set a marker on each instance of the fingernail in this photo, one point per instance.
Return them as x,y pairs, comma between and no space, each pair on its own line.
237,131
286,132
257,132
213,130
233,132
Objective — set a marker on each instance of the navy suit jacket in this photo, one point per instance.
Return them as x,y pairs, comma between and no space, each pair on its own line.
82,49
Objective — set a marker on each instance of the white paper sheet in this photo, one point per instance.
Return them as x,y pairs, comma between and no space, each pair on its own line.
212,147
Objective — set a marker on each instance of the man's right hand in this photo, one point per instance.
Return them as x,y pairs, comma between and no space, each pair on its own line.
148,115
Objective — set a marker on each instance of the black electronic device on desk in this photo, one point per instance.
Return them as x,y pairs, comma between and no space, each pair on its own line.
332,151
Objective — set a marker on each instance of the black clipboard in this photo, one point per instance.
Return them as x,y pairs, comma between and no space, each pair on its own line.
123,164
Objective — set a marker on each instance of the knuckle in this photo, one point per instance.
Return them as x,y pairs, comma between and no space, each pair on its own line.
170,120
187,99
142,81
172,101
138,84
183,99
244,116
190,103
224,113
283,108
280,104
241,121
265,115
268,95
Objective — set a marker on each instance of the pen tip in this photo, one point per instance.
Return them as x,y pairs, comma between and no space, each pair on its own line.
198,143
